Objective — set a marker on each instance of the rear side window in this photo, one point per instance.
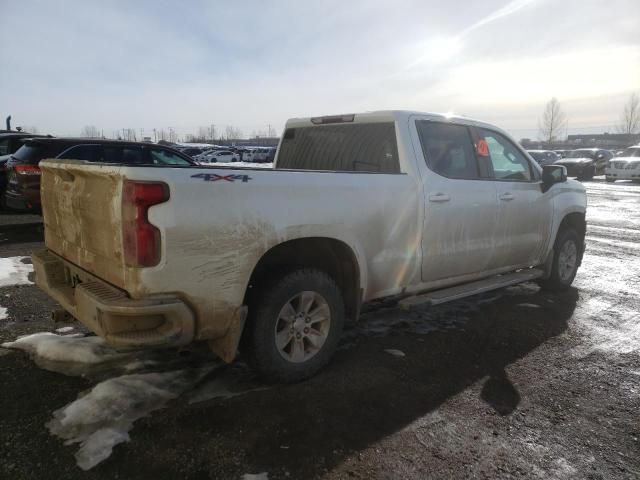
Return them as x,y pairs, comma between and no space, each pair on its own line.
165,157
448,149
127,155
4,146
89,153
507,161
365,147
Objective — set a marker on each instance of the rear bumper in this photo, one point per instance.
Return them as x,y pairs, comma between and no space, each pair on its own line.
123,322
15,201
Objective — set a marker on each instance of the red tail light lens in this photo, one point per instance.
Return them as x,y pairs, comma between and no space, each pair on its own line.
28,170
141,239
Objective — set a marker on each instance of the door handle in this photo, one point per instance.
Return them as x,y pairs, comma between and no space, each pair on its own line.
439,197
506,196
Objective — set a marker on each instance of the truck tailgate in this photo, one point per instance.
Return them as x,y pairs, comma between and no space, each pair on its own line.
81,207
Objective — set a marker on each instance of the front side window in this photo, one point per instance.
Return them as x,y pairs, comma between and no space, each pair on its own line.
354,147
507,161
448,149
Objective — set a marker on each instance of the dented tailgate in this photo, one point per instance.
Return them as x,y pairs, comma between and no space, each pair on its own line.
81,206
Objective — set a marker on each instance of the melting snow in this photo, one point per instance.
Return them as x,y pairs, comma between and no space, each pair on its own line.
59,348
3,313
102,418
394,352
64,329
255,476
14,272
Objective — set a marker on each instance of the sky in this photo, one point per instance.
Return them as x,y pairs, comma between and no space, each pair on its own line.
253,64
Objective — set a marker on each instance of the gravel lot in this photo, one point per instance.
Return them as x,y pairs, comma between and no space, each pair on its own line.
515,383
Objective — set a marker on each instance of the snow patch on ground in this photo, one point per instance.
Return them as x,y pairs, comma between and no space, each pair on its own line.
103,418
255,476
14,272
64,329
61,348
395,352
3,313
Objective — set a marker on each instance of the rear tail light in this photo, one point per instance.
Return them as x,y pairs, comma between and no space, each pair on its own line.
28,170
141,239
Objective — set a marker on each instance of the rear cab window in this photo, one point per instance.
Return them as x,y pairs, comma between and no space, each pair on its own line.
355,147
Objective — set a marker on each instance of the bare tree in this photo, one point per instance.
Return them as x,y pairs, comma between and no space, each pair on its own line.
630,121
90,131
553,122
233,132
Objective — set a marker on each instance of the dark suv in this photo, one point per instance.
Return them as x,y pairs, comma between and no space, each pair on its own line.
584,163
23,172
10,141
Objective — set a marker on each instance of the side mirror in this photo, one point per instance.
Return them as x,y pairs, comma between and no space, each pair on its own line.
552,174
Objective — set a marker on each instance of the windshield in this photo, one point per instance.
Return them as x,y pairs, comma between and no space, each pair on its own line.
631,152
582,154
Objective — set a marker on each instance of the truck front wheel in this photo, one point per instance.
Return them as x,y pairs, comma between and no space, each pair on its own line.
566,259
294,326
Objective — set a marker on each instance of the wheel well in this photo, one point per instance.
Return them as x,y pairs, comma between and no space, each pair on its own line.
331,256
578,223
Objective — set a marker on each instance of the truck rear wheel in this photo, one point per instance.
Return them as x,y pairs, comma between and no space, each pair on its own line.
294,326
566,259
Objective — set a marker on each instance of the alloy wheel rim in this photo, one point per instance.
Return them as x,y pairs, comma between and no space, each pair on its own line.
302,326
567,260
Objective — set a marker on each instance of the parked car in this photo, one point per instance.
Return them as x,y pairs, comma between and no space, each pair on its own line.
544,157
562,153
624,167
191,151
438,208
585,163
264,154
23,173
221,156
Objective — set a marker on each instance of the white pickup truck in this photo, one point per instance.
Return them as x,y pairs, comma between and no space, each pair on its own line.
421,207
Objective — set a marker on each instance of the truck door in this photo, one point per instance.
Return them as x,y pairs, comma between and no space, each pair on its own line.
524,212
460,202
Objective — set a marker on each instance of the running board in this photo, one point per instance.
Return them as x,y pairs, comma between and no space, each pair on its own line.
437,297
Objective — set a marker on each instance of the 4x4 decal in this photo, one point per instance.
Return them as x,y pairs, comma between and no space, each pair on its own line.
214,177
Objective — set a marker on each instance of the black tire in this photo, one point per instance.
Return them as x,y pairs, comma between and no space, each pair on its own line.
610,179
259,339
588,175
558,280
